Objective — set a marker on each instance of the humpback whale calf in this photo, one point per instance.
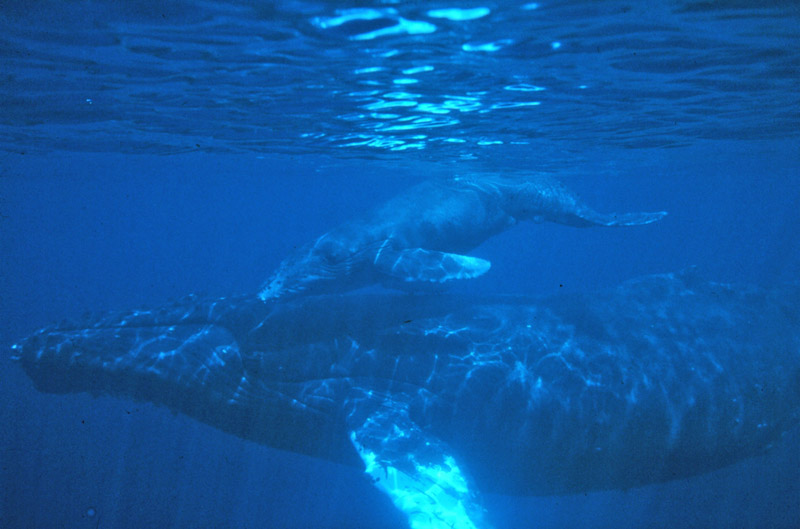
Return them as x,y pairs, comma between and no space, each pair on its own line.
419,237
441,398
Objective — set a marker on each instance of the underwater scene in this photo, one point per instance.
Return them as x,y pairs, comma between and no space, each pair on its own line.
399,265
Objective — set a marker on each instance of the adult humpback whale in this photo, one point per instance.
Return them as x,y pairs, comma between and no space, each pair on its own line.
420,236
439,397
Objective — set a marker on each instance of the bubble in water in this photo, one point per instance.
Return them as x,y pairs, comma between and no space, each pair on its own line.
90,512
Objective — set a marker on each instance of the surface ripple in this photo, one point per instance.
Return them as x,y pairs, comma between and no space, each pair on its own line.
359,80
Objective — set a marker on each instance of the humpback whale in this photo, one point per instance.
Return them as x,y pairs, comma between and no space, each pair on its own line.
419,237
442,398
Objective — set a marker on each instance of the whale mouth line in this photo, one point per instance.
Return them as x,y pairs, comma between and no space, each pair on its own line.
316,270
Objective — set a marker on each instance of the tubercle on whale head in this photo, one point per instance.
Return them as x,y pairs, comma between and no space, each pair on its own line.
289,277
272,289
322,267
310,273
16,352
282,288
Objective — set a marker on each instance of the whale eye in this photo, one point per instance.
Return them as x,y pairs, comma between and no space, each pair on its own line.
331,252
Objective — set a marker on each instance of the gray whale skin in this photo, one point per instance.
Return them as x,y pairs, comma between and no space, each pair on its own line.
440,397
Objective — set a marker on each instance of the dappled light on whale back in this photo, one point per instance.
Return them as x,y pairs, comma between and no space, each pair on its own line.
442,398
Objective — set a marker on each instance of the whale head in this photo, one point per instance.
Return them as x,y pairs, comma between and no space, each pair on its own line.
323,267
294,278
227,362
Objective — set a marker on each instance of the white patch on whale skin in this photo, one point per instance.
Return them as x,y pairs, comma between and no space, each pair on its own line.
273,289
475,265
432,497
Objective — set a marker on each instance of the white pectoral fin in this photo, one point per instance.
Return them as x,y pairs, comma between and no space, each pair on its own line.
416,471
418,264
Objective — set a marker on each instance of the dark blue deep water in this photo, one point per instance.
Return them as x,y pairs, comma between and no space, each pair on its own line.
153,149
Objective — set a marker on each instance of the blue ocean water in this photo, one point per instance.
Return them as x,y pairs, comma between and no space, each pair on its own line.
149,150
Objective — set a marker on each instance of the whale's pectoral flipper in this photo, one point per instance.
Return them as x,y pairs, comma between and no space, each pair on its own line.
417,264
416,471
588,217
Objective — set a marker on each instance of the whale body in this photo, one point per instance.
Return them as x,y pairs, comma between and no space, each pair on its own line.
440,398
420,237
